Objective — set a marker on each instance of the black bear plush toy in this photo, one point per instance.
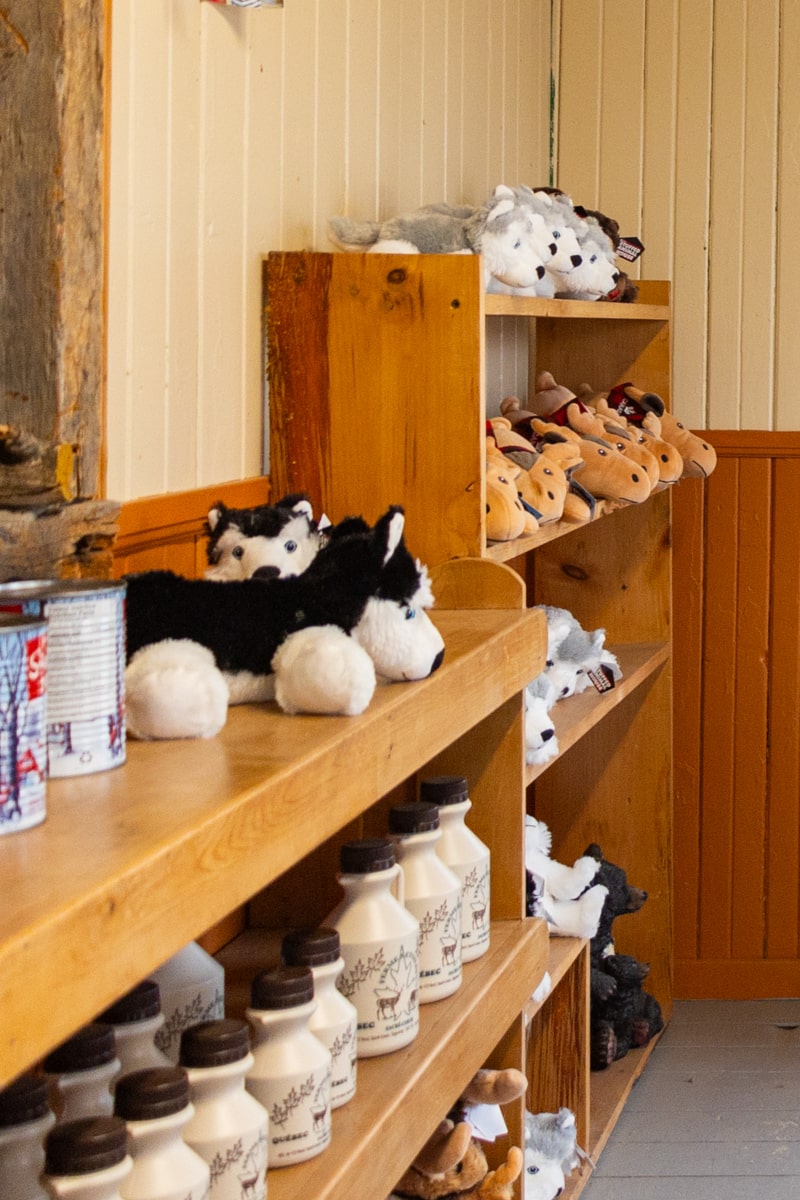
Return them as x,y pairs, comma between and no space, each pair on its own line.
623,1014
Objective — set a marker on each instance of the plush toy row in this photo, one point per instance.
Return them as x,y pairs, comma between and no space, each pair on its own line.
453,1164
576,660
313,623
534,242
573,456
584,900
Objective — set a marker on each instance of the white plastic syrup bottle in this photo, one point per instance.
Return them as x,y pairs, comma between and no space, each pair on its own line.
229,1127
192,987
466,855
136,1019
335,1019
291,1071
25,1119
432,895
154,1104
87,1159
380,947
82,1071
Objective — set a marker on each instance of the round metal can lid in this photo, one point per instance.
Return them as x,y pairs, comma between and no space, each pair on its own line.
282,987
17,622
215,1043
151,1093
85,1145
311,947
444,789
41,589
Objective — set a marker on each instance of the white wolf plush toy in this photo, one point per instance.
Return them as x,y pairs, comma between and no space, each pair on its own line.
564,895
510,236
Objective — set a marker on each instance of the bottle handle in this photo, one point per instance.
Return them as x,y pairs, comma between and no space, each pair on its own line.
398,885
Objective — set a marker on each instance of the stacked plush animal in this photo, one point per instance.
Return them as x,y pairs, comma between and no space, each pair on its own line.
551,1153
452,1163
576,660
316,642
508,235
281,537
622,1014
565,897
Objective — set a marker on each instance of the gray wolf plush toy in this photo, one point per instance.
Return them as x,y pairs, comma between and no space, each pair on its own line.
316,641
241,541
506,232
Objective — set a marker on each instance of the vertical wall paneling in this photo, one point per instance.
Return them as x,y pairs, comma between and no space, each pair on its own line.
726,198
782,934
717,770
737,745
787,282
758,263
691,207
655,226
239,131
621,111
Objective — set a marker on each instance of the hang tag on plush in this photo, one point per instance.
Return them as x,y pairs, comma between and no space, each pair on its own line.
629,248
486,1122
602,678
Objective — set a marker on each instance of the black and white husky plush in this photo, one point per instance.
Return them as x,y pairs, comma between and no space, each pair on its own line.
283,536
315,642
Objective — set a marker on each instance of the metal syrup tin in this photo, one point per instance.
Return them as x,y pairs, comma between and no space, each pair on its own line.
86,668
23,721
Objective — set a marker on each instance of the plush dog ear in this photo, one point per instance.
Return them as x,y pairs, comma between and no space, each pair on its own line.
216,514
389,531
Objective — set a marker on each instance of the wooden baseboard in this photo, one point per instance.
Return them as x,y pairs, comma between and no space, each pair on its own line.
765,979
168,531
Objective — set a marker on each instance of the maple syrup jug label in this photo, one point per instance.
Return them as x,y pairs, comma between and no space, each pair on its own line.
380,947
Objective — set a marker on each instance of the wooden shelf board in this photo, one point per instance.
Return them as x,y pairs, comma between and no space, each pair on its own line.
576,715
609,1091
133,863
536,306
562,953
457,1036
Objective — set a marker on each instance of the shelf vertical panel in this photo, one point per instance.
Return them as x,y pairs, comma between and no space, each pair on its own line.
375,368
558,1049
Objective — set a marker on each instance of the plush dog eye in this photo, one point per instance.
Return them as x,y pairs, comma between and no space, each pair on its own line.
411,614
517,244
237,552
532,1170
290,546
556,234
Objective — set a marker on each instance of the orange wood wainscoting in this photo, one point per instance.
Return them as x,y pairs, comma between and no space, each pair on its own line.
736,583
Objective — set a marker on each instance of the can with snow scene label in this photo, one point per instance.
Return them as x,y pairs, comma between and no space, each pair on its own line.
23,721
86,668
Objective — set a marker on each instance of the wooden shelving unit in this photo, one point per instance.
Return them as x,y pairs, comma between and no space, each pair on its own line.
132,864
377,396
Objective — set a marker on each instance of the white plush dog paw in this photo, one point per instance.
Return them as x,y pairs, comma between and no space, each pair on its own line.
173,689
323,670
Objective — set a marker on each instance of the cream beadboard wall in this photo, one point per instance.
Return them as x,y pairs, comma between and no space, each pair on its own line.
239,131
235,131
682,119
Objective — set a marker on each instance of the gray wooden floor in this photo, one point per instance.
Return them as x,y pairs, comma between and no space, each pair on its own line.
716,1113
